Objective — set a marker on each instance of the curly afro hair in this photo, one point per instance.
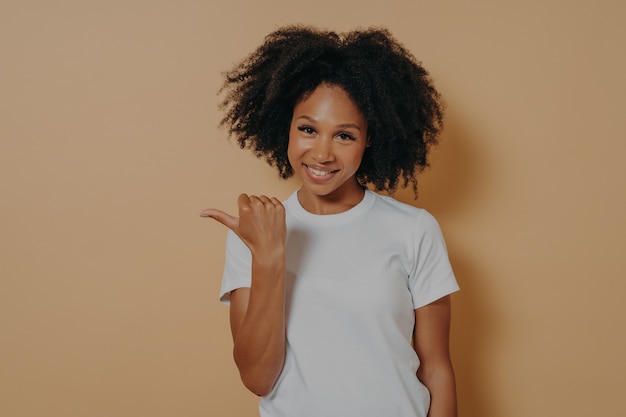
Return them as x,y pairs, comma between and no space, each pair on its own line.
394,92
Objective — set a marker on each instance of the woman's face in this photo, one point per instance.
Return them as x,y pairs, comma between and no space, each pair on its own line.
327,138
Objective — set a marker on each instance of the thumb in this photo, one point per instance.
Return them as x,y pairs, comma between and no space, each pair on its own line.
226,219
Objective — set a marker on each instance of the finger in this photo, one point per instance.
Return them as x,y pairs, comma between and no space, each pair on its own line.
276,201
243,202
265,200
226,219
256,202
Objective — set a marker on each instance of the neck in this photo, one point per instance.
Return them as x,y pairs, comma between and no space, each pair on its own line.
330,204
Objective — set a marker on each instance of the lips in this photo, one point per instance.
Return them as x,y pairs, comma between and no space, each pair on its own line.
319,174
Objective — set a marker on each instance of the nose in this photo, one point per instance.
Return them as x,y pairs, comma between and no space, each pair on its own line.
323,150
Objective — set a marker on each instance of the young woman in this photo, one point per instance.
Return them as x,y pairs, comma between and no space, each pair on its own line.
339,296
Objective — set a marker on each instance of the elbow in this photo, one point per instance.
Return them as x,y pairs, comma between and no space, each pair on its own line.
260,386
435,374
259,374
258,390
259,377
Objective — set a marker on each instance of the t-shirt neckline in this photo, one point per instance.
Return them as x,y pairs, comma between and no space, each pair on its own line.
295,208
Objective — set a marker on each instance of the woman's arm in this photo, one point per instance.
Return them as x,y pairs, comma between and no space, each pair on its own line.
257,314
431,342
257,322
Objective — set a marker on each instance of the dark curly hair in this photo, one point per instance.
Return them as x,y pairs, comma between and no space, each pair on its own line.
394,92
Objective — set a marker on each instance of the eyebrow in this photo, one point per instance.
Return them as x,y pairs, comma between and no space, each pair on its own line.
341,126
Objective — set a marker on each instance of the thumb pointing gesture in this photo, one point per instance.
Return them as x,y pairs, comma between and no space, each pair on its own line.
226,219
260,225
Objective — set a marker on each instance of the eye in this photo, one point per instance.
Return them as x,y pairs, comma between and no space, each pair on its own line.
306,129
345,136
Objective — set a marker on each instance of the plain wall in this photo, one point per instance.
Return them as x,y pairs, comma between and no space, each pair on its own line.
110,148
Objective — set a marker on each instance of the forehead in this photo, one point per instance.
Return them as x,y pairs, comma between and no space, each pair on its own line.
329,102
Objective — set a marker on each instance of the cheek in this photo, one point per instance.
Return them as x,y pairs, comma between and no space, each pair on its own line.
296,145
354,158
293,148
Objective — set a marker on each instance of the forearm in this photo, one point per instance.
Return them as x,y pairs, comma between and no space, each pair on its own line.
259,345
441,384
431,341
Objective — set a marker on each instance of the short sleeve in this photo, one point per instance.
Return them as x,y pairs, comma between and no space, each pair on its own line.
237,267
431,277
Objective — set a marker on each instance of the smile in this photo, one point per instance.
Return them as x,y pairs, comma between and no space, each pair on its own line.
318,172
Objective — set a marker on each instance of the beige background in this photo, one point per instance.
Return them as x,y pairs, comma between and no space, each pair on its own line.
109,149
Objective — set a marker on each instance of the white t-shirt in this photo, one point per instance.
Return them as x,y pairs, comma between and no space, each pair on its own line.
354,280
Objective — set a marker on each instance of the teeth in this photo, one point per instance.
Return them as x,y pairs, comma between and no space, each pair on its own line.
318,172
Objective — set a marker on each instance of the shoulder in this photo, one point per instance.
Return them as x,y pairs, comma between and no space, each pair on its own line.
393,207
415,218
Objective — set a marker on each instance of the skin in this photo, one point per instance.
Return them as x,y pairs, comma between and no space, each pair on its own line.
431,342
327,139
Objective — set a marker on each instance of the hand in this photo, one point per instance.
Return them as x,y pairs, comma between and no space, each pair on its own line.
260,225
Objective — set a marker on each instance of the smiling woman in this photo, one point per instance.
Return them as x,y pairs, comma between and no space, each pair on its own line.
327,139
339,296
